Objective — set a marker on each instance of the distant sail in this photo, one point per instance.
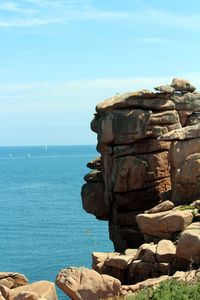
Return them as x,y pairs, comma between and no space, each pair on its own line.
46,148
29,156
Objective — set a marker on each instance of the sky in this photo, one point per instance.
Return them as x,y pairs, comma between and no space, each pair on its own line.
59,58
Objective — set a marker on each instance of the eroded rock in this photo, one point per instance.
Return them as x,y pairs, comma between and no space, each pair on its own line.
85,284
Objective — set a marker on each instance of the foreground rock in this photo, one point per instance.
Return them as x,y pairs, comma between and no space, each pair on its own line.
85,284
12,280
43,290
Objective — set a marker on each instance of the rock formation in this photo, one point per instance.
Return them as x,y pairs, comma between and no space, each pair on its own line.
15,286
146,184
150,152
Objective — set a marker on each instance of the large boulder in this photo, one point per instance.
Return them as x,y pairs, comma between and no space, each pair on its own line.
34,291
164,225
85,284
188,246
139,99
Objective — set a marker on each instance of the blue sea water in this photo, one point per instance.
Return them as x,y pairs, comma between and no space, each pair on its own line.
43,227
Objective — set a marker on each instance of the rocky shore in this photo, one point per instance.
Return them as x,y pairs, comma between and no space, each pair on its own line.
146,185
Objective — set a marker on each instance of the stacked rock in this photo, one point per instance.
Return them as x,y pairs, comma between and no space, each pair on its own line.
133,173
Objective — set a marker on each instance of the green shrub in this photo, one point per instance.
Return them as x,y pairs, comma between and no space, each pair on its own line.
170,290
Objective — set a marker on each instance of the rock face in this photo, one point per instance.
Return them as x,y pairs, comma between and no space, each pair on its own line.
149,144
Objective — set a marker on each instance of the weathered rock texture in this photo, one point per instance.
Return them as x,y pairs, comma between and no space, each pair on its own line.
85,284
15,286
150,152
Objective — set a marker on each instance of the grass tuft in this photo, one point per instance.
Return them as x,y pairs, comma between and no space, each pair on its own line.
170,290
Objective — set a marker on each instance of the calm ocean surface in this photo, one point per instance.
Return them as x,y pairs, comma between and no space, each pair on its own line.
43,226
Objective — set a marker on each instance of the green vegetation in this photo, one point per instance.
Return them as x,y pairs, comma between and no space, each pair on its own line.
186,207
170,290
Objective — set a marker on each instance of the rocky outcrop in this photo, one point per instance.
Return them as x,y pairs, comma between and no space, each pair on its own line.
146,185
150,152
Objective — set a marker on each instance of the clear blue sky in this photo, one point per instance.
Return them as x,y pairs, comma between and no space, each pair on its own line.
59,58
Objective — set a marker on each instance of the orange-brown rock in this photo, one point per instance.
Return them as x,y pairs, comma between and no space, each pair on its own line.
165,251
37,290
142,147
139,99
135,172
143,199
182,85
94,201
146,146
188,245
164,224
85,284
12,280
186,180
163,206
188,132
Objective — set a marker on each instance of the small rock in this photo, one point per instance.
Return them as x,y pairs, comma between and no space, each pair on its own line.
182,85
95,164
165,89
197,204
119,261
130,251
163,206
165,251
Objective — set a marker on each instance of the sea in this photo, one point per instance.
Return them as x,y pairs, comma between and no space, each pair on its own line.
43,226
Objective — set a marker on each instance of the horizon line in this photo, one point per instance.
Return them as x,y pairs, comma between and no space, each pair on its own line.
48,145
